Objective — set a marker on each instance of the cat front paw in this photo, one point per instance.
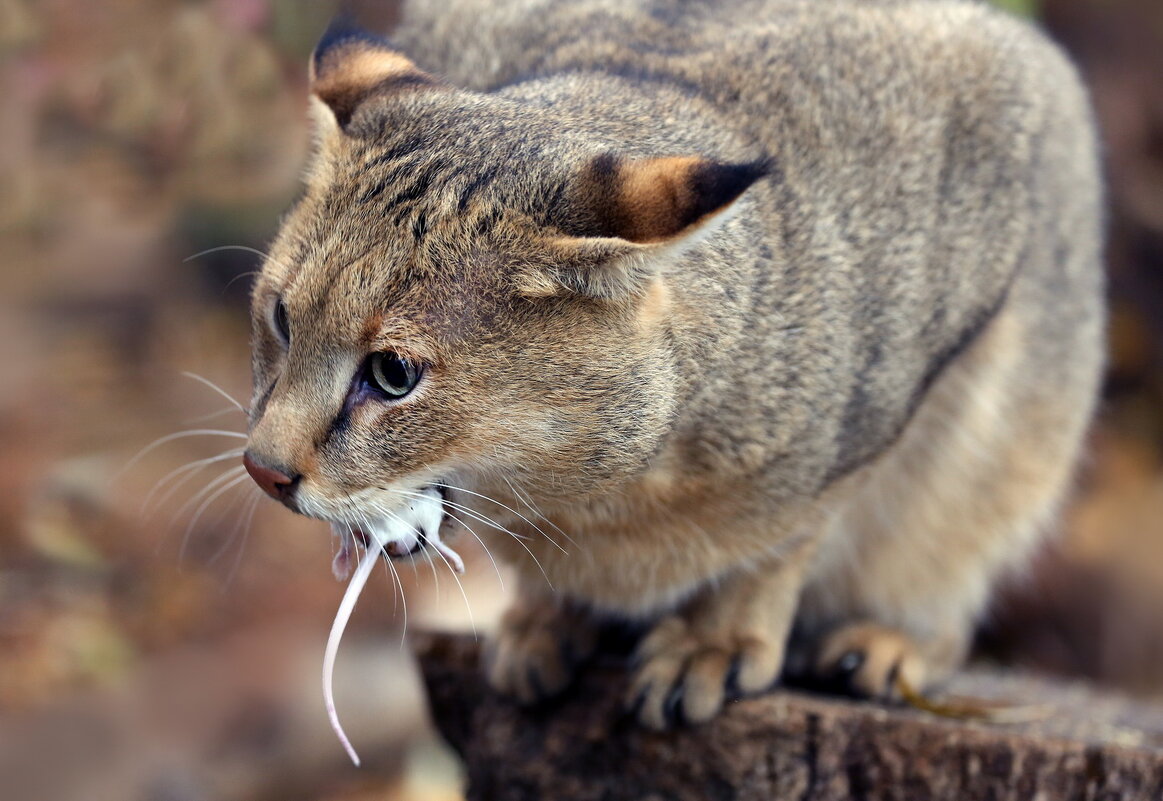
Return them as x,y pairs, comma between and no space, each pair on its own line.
868,660
685,675
537,651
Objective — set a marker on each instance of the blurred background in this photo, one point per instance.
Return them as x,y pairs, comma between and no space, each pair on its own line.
163,640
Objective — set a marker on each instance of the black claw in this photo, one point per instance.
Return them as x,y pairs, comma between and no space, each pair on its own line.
731,682
890,683
847,665
634,705
672,706
844,670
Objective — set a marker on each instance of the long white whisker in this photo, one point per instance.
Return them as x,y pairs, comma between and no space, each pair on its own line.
157,443
248,503
431,563
481,516
239,503
239,277
536,527
201,508
395,577
493,524
225,476
220,248
216,388
247,527
463,594
189,467
435,578
403,600
524,498
202,418
484,547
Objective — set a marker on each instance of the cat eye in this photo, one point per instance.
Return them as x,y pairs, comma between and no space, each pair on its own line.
392,374
282,322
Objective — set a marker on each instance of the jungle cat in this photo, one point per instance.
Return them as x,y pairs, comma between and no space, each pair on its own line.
772,325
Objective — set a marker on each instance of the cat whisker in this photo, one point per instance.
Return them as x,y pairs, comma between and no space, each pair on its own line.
484,547
224,515
216,388
157,443
202,418
191,468
524,498
481,516
229,485
435,578
492,524
396,578
245,526
239,277
168,527
536,527
463,594
245,248
223,477
429,549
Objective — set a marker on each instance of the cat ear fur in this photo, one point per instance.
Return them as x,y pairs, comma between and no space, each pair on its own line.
351,66
633,216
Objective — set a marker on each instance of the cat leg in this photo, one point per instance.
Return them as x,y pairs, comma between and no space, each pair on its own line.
727,641
538,648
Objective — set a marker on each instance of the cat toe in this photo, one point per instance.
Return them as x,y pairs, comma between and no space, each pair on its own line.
682,679
869,661
537,652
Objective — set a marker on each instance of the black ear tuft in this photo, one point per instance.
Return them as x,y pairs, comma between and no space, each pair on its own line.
656,199
714,185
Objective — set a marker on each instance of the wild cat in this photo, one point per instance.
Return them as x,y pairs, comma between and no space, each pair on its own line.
771,325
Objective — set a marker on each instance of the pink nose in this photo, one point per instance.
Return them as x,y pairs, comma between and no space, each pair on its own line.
278,485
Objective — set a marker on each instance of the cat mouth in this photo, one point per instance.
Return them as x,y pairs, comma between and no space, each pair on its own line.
412,529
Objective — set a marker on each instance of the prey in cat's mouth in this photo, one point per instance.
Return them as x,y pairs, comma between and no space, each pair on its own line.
402,533
412,529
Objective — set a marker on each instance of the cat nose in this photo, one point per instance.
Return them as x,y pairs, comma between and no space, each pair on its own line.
277,484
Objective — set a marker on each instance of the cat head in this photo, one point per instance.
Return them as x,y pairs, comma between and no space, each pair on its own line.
469,293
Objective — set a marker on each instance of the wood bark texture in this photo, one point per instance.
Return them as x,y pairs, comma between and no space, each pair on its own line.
1082,744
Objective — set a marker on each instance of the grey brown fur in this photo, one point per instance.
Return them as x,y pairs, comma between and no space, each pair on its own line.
840,404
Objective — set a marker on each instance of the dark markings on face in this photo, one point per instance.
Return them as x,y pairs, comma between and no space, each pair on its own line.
261,404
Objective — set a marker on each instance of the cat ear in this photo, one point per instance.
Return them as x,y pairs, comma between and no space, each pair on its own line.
630,217
351,66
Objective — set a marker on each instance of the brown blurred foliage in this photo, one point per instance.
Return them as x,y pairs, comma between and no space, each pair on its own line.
135,134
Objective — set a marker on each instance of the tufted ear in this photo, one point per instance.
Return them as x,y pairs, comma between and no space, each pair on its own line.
655,200
629,217
351,66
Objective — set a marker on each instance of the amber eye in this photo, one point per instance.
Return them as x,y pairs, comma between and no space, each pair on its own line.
392,374
282,322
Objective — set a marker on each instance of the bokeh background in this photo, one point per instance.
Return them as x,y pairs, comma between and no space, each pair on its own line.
167,645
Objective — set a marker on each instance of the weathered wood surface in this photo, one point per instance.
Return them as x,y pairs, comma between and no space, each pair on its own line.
792,744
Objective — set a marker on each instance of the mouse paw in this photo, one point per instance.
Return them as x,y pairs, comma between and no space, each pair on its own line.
868,660
684,676
537,650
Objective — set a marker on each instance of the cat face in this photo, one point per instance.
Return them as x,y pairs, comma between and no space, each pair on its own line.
464,295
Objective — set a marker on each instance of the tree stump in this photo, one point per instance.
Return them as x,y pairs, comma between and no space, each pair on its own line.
792,744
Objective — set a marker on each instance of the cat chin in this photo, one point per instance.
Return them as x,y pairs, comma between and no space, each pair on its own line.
413,528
